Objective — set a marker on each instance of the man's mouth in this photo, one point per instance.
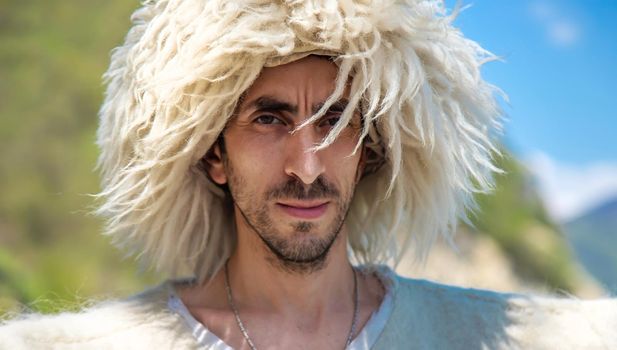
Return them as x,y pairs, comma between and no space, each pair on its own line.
304,210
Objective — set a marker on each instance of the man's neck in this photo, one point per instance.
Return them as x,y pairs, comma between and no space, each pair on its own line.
258,281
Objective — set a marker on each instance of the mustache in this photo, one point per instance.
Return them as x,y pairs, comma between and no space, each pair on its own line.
295,189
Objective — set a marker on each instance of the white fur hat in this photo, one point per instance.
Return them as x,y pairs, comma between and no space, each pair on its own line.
175,82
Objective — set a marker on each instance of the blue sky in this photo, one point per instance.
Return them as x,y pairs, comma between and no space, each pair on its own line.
560,73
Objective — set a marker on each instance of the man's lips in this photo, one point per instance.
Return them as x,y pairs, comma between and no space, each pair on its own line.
304,210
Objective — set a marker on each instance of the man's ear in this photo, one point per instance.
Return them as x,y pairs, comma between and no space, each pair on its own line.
213,161
361,164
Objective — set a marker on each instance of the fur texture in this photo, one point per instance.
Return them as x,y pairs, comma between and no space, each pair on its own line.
425,316
173,85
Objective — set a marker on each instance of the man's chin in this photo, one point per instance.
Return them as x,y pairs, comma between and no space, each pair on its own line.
299,264
301,252
297,246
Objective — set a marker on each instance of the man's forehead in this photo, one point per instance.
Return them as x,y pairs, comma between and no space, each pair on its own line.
310,79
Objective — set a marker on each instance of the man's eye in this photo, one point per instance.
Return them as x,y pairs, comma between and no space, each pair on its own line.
330,121
267,119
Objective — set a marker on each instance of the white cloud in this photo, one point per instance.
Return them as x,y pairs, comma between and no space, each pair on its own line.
563,33
560,30
569,190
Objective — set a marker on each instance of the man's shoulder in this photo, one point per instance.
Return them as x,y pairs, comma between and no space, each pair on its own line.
140,321
435,315
429,293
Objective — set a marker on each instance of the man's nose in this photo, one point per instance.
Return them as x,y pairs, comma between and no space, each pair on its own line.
301,162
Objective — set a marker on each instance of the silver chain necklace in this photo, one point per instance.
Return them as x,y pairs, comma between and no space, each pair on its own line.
230,300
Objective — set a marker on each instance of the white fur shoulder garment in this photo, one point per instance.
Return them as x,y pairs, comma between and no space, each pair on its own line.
139,322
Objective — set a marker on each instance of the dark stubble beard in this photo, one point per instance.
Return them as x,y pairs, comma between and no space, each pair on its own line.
294,254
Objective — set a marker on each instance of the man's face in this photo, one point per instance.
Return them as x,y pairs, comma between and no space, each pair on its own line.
294,199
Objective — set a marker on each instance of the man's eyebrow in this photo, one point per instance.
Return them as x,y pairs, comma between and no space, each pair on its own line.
267,103
337,106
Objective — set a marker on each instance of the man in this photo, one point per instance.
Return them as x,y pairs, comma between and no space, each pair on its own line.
260,148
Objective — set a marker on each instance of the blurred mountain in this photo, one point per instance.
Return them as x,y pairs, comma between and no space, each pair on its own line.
593,236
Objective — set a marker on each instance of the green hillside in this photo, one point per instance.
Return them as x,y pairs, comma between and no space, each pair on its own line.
52,55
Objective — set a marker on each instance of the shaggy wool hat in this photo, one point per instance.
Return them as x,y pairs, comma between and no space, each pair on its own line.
175,82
